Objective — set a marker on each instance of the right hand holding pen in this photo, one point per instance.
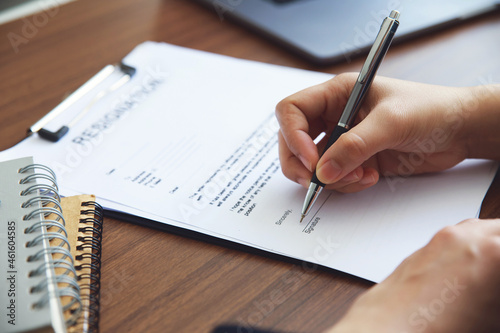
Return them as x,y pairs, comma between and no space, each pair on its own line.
402,128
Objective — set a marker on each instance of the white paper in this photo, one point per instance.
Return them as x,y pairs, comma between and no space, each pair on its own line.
191,141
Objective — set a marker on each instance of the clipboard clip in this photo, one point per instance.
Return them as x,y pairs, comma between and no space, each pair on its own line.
97,79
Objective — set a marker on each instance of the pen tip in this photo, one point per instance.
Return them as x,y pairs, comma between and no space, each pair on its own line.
302,218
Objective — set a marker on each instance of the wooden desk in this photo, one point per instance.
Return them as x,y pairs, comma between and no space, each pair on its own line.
158,282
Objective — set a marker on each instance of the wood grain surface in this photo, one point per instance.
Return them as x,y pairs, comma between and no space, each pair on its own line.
160,282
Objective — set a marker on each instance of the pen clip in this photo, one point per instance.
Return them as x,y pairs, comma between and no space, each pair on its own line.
380,46
86,88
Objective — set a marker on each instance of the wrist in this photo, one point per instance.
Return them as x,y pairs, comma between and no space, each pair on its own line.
481,115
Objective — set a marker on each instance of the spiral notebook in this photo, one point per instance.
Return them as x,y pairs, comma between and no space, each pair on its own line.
51,250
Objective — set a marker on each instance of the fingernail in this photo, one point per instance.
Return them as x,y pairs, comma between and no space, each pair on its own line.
305,162
367,180
303,182
329,172
352,176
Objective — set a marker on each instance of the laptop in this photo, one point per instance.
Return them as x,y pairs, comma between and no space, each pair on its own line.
329,31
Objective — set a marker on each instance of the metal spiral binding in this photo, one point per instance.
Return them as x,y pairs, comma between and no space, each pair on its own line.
90,245
49,227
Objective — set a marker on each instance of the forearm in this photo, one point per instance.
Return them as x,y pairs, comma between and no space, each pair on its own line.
481,116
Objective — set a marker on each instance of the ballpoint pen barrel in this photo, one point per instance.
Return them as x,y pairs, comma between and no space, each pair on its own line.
360,89
367,74
384,47
352,106
316,186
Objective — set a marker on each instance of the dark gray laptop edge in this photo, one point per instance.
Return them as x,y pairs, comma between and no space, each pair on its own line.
224,10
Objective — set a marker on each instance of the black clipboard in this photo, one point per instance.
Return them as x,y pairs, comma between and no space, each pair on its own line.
86,89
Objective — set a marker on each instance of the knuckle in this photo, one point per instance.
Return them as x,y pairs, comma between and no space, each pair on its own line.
287,173
283,106
470,221
287,169
354,145
490,250
284,111
279,107
447,235
488,257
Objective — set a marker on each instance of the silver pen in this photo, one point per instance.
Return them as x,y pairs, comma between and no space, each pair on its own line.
365,79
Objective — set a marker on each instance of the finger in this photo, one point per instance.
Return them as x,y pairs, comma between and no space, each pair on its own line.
368,178
302,116
291,166
353,148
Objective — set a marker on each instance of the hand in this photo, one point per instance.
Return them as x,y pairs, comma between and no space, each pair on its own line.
450,285
403,128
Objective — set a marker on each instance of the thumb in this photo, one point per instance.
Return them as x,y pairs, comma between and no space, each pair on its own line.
351,150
